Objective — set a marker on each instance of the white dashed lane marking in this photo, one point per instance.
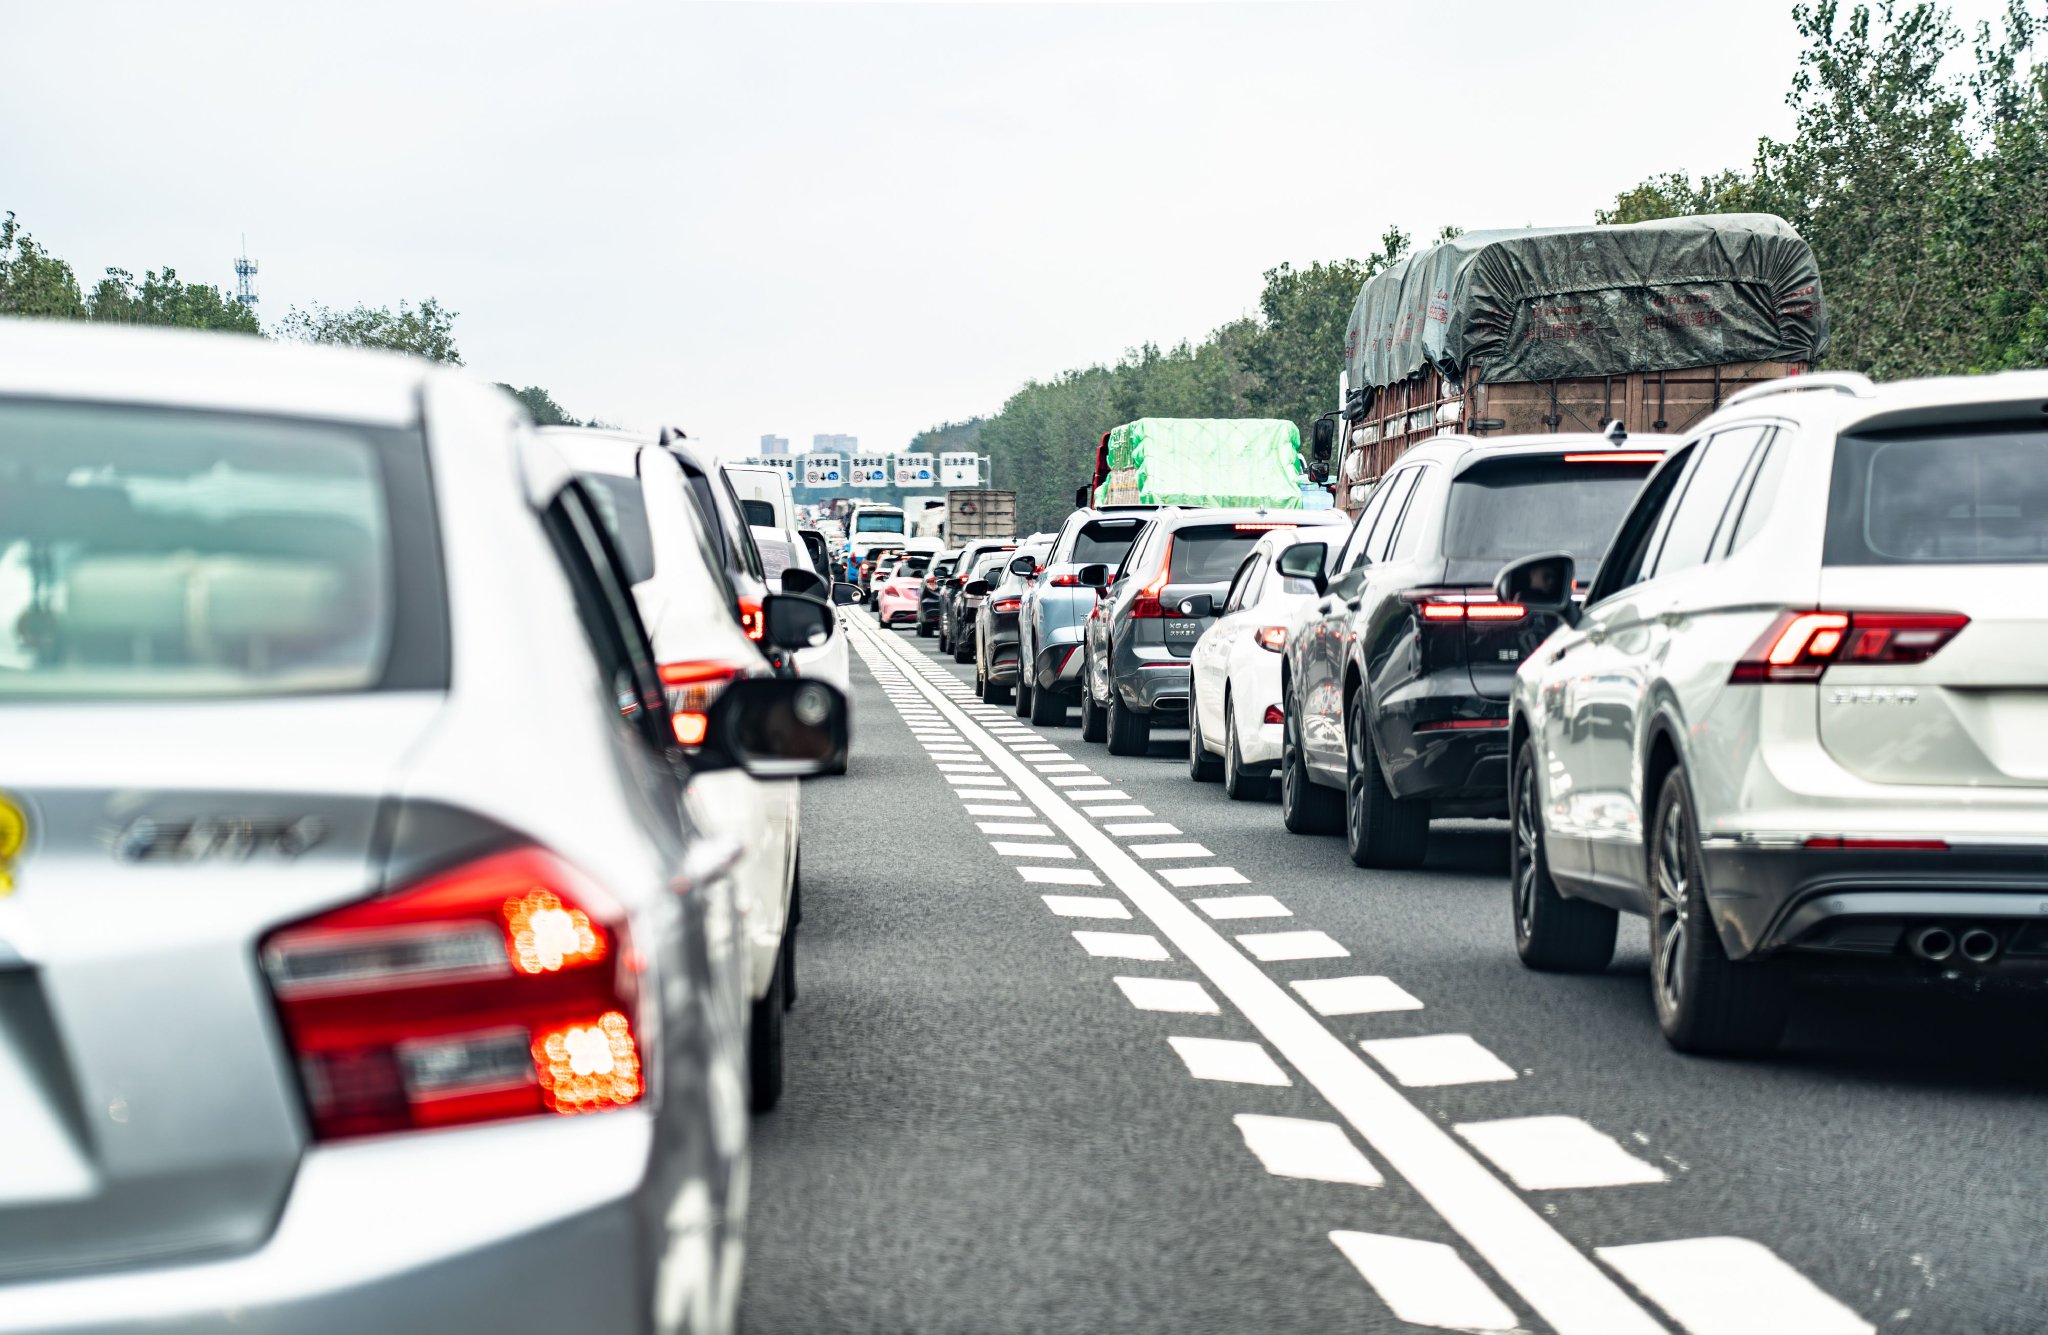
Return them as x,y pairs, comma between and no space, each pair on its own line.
1179,995
1244,906
1355,996
1109,795
1437,1059
1188,878
981,810
1731,1286
1155,851
1276,946
1014,827
1140,829
1081,906
1057,875
1078,780
1012,850
1299,1147
1122,945
1100,812
1557,1153
1425,1283
1230,1059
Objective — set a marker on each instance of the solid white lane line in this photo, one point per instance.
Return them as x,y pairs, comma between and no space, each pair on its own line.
1244,906
1139,829
1014,827
1122,945
1183,996
1299,1147
1084,906
1231,1059
1108,795
1010,850
1078,780
1100,812
1731,1286
1425,1283
1171,851
1355,996
1562,1284
1437,1059
1557,1153
1187,878
1275,946
1032,872
974,810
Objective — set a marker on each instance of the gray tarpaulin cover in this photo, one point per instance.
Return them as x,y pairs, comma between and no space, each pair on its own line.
1550,303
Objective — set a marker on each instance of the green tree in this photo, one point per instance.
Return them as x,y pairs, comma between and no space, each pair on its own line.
542,406
32,281
164,299
426,330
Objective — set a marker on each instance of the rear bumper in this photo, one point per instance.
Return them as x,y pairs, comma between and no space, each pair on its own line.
1002,651
1151,684
1056,669
1443,742
1864,903
436,1231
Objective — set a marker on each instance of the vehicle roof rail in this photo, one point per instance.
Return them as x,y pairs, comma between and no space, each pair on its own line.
1853,383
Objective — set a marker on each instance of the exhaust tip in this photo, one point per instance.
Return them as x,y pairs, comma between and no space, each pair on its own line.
1978,945
1934,943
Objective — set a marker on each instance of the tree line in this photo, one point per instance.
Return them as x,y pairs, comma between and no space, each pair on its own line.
33,282
1917,171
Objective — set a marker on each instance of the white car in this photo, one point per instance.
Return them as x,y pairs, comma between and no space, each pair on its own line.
1234,719
639,490
1801,722
765,499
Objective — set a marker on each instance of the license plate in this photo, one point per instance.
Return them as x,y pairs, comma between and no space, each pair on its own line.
1185,630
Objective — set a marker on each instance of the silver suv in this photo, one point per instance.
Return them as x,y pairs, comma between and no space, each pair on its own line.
1802,718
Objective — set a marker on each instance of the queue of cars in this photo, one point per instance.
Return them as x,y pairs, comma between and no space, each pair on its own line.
381,793
1776,686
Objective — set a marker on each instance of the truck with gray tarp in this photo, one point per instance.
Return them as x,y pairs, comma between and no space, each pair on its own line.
1550,329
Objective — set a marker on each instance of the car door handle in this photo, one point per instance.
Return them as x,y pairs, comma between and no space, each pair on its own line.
1673,619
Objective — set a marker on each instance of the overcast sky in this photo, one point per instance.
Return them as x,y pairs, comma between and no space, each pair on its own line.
798,218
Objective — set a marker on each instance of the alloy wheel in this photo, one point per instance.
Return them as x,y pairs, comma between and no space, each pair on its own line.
1528,849
1674,895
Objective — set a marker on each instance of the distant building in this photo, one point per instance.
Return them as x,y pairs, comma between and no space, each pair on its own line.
828,443
774,445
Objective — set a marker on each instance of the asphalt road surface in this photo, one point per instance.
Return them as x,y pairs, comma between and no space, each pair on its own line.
1083,1046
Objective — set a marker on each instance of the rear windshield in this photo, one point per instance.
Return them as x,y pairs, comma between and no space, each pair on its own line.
878,524
1511,508
1210,553
149,553
761,514
624,511
1104,540
913,565
1948,498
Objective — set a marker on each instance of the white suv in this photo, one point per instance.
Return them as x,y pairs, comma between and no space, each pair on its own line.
1802,717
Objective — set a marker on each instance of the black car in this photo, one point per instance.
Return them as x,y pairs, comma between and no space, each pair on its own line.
931,602
1396,687
1000,588
956,617
1056,607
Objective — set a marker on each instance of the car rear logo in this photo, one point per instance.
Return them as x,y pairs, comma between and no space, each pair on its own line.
13,839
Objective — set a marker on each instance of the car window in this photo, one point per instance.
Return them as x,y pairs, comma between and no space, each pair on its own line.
1760,492
623,509
1139,554
1241,584
1381,536
743,537
1503,509
1104,540
1638,530
759,514
1413,521
1354,543
605,610
1210,553
1703,501
877,523
150,553
1976,495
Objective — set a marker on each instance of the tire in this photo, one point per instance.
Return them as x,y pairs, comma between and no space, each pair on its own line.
1306,807
764,1041
962,653
1380,830
996,693
1706,1002
1238,786
1552,933
1024,693
1129,732
1047,708
945,645
1202,767
1094,724
924,632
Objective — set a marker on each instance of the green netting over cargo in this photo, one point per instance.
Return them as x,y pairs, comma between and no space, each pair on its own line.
1553,303
1204,461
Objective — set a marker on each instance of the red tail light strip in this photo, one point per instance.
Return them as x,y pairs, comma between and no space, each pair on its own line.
1801,646
1462,725
1462,605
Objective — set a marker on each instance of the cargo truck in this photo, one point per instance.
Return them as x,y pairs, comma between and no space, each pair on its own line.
1649,325
1240,461
979,512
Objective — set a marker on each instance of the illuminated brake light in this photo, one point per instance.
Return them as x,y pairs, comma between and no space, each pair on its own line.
1462,605
503,987
1070,580
1801,646
692,687
1271,637
1879,845
1008,604
1145,603
1462,725
1263,526
1617,457
751,620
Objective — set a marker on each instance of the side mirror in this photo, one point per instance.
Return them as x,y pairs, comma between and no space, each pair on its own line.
1304,560
807,582
1196,605
1081,497
1094,576
1026,566
975,588
844,593
1541,584
776,727
793,621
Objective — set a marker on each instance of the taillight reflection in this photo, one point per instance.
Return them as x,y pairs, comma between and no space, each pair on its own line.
1271,637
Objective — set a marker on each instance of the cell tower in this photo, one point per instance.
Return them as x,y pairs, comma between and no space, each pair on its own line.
245,276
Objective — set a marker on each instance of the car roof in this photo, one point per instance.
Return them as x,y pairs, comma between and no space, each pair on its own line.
113,363
1186,516
1844,401
589,451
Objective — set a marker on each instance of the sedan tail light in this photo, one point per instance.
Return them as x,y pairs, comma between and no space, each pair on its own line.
1274,714
1800,646
691,689
1008,604
1271,637
504,987
1462,605
1069,580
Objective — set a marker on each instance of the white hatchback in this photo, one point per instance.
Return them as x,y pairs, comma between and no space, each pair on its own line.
1234,718
1801,723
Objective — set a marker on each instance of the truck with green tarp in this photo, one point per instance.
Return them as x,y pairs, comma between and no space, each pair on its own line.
1199,461
1552,329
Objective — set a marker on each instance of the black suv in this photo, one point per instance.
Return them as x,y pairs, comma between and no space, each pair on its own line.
1395,686
931,597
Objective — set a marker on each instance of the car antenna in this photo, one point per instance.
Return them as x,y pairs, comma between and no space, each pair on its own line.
1617,433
